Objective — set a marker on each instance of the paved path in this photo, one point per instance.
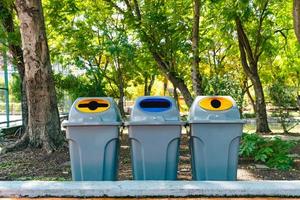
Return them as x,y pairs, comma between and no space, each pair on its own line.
97,189
284,137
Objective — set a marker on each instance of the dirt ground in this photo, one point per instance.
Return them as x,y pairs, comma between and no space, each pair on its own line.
37,165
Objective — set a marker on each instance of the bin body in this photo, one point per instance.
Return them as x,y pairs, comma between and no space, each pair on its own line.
94,142
154,137
214,141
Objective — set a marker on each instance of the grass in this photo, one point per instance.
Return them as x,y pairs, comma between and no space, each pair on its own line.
6,165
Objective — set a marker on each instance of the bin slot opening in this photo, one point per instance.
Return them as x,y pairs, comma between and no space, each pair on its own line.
93,105
155,105
215,103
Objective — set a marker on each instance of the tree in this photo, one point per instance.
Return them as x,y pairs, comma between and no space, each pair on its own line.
14,45
251,70
121,53
283,97
43,128
77,86
146,70
160,33
77,47
250,55
96,45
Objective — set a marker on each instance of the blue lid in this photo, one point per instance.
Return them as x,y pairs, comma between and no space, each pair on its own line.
155,104
154,109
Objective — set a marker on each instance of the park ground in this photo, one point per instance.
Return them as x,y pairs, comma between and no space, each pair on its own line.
37,165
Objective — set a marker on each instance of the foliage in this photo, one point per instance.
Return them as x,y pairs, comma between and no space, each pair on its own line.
77,86
225,85
2,136
249,115
274,152
97,46
14,87
94,47
2,92
284,97
81,39
281,94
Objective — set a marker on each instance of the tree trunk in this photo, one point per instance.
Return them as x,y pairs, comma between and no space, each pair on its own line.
242,97
24,105
261,112
283,116
121,91
121,102
195,74
43,117
249,61
146,86
178,83
175,80
175,94
165,86
296,14
17,54
152,79
251,100
298,101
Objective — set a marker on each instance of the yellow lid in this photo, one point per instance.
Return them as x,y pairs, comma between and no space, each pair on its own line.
215,103
92,105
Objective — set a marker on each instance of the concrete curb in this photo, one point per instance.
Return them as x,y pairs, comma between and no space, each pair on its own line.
150,189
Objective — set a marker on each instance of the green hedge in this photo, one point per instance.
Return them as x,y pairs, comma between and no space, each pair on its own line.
274,152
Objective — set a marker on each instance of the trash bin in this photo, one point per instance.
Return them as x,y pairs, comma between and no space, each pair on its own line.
215,132
154,133
93,135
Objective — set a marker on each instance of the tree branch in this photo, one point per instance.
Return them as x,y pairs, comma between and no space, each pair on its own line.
258,34
137,10
243,40
283,35
112,4
244,58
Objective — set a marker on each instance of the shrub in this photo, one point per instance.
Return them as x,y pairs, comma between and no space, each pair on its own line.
249,115
283,97
273,152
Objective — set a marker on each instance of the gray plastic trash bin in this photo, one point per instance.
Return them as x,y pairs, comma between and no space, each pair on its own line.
215,132
154,133
93,135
